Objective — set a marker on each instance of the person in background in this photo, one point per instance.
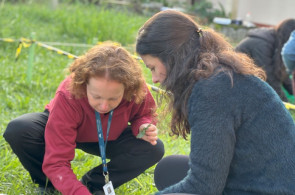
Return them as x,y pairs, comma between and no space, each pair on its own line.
264,45
242,138
288,55
104,91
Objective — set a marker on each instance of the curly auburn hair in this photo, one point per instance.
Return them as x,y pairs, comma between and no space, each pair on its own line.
188,54
112,62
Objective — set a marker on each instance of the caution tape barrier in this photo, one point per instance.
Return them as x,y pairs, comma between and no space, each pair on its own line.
23,42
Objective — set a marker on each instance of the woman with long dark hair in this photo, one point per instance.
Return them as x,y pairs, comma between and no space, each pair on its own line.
242,136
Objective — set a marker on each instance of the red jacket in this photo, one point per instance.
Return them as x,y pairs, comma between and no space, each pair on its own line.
73,120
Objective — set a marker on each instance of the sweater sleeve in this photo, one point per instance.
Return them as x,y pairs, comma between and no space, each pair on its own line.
212,141
143,113
60,136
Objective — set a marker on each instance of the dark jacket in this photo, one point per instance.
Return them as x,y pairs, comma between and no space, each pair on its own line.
260,44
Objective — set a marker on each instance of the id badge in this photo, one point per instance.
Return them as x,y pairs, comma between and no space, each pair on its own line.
109,189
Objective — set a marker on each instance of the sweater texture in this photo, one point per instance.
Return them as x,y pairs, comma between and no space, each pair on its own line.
242,139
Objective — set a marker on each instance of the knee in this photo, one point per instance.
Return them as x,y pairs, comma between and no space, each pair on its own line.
156,152
11,130
177,164
14,131
173,161
159,150
171,170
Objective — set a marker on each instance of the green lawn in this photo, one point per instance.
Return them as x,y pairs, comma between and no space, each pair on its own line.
88,25
73,23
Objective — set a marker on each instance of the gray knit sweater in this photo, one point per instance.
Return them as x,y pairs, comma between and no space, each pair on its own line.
242,139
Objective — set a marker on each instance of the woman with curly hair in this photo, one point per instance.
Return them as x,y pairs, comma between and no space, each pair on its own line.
241,135
92,107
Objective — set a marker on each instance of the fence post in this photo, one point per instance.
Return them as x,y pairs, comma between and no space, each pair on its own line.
31,58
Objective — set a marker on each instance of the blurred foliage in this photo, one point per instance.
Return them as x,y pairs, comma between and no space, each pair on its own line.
206,12
201,8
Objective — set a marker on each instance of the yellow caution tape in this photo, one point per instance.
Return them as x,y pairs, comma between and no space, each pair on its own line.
26,42
71,56
58,51
18,50
289,106
23,42
8,40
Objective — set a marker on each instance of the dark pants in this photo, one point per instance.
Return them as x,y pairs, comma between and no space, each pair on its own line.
170,170
128,155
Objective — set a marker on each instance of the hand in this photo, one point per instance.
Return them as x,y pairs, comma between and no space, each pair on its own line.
151,133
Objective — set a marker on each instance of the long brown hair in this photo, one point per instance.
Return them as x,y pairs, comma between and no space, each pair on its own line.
188,54
110,61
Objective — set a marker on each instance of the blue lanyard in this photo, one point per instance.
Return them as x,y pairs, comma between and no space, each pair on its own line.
102,144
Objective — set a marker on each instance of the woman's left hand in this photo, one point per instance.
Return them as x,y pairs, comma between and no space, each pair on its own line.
151,133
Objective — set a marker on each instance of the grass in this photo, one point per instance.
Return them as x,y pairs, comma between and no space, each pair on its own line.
84,24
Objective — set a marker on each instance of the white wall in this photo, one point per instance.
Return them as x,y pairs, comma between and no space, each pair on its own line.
269,12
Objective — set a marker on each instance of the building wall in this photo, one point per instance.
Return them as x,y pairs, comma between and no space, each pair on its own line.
268,12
